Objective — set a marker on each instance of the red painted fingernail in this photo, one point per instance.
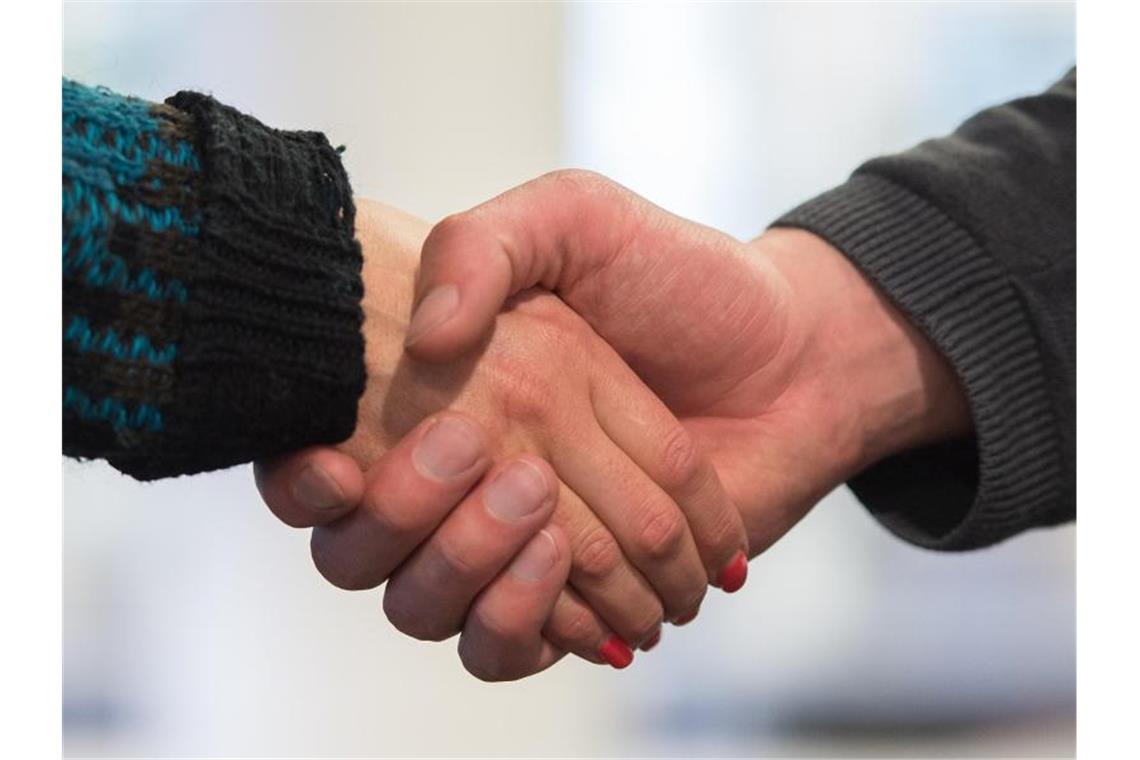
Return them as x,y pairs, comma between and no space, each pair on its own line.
734,574
652,641
616,652
686,619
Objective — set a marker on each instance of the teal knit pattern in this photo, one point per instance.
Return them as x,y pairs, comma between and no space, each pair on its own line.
211,286
127,171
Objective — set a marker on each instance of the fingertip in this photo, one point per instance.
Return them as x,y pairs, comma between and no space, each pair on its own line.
537,560
345,472
733,575
463,282
438,307
443,449
617,654
561,542
479,299
311,487
447,342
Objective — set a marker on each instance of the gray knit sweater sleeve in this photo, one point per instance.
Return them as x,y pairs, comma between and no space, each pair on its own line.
973,237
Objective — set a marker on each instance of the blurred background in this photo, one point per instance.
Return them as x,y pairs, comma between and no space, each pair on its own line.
195,623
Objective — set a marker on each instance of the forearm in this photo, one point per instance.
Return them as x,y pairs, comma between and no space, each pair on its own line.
972,238
211,286
890,390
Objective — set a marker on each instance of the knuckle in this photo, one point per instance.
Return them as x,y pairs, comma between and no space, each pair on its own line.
597,556
446,230
577,629
527,397
662,534
580,180
591,190
680,460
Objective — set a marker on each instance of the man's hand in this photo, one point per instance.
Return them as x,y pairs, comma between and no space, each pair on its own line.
640,521
781,360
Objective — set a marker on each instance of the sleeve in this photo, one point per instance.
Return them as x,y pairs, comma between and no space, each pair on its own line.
211,286
973,237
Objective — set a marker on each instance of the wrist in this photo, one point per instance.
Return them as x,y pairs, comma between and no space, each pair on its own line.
391,242
881,385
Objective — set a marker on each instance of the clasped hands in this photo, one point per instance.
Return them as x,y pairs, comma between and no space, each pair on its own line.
581,411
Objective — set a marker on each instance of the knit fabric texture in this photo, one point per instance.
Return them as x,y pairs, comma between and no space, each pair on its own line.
211,286
973,237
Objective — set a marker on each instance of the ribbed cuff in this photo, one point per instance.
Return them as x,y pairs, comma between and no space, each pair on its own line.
272,356
968,493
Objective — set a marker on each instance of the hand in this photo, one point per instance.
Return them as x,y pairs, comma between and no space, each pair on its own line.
625,489
780,359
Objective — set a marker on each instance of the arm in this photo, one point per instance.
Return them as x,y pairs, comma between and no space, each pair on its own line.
211,286
973,237
218,305
918,329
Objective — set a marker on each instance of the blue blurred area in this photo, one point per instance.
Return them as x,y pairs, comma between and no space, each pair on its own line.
195,624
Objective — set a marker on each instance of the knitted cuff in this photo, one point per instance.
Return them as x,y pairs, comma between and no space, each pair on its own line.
270,356
967,493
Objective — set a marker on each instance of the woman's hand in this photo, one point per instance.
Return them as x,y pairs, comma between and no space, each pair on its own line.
639,516
423,484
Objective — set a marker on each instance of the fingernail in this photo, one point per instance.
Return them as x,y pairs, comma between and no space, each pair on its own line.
517,492
447,449
734,574
616,652
315,489
652,641
685,619
535,561
437,307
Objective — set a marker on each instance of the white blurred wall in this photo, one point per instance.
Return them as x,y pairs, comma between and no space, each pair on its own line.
194,622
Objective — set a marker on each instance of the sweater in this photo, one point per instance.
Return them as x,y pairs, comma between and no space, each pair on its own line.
212,293
973,237
211,286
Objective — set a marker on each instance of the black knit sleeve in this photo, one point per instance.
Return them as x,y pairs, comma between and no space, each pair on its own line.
973,237
211,285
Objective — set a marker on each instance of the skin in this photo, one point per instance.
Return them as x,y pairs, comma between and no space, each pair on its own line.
629,511
778,356
781,361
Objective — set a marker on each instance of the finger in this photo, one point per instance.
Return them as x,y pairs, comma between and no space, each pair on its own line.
429,595
502,639
310,487
644,428
647,524
408,493
603,576
550,232
575,627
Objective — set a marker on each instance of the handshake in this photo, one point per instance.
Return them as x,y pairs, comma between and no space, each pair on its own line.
581,411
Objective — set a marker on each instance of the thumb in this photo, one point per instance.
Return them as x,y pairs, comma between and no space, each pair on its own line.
550,232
